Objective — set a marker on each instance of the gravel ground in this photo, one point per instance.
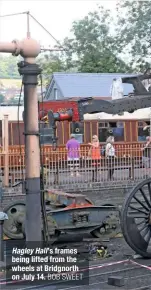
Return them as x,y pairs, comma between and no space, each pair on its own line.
135,277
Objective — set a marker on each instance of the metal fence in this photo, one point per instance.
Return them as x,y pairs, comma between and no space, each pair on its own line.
126,169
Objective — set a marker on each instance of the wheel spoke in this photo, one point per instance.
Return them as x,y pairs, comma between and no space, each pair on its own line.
137,209
131,214
141,203
149,190
140,223
145,198
148,237
143,227
145,232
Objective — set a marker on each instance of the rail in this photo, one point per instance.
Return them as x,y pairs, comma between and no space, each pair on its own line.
128,167
91,166
121,148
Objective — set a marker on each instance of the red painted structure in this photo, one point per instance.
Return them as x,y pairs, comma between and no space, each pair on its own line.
59,107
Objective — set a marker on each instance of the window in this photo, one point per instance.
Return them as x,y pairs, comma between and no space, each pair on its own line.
55,94
118,131
142,134
111,128
77,129
78,137
46,133
103,131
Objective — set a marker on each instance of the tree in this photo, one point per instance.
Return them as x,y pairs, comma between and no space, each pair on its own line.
8,68
134,32
51,63
93,48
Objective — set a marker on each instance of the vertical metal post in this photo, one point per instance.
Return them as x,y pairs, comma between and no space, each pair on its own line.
33,225
0,18
29,49
28,25
1,241
150,122
6,158
1,229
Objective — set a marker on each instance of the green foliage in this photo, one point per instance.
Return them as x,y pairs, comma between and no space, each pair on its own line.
51,63
134,32
8,67
93,47
99,43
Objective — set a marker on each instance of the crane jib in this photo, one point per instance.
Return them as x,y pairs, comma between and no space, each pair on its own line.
126,104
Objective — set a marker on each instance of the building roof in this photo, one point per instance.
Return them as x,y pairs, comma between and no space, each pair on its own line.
88,84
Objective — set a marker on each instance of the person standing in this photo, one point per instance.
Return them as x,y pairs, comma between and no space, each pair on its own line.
146,158
95,155
73,148
110,155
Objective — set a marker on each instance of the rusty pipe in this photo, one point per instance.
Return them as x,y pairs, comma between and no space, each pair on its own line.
27,48
6,157
7,47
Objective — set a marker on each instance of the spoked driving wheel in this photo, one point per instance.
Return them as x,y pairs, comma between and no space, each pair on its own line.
16,215
136,219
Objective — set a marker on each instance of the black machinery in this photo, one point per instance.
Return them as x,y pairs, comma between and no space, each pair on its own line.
66,213
74,212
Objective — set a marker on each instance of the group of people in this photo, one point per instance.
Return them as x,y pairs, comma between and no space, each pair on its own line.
95,153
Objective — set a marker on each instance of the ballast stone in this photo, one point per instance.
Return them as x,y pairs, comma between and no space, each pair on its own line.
116,281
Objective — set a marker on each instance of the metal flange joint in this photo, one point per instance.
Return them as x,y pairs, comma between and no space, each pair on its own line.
27,48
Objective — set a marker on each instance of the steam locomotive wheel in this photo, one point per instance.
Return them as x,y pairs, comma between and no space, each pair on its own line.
16,214
14,227
136,219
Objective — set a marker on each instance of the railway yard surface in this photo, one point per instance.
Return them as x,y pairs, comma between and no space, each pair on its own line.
120,260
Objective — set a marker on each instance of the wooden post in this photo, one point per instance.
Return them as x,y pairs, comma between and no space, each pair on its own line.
6,156
2,135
